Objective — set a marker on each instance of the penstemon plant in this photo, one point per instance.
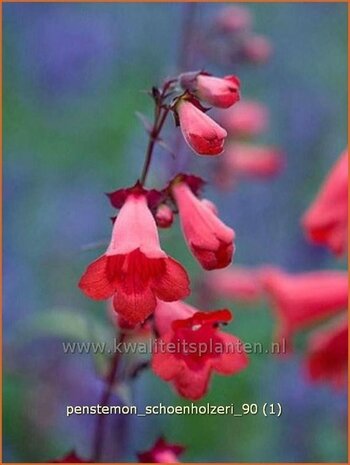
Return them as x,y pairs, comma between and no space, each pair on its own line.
145,284
210,322
145,288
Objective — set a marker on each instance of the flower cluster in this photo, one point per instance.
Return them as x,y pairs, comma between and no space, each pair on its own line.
302,300
203,135
326,223
134,270
299,300
228,39
143,285
244,157
146,288
231,38
143,282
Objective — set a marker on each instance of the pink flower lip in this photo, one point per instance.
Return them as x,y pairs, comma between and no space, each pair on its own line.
201,318
190,371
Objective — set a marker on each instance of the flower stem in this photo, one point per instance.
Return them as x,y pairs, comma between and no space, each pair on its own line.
161,113
105,399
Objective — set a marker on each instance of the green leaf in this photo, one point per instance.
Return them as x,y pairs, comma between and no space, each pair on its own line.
65,323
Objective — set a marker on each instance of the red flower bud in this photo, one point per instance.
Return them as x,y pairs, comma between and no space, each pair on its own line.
218,92
164,216
202,134
209,239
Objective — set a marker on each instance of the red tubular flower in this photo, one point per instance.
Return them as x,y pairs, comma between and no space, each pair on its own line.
236,283
327,357
246,119
161,452
208,238
218,92
192,348
254,160
304,299
326,220
134,269
246,161
203,135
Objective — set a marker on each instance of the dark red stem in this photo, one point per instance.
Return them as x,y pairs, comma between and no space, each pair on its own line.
105,399
153,137
160,115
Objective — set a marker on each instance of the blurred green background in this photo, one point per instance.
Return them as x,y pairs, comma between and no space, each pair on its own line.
74,75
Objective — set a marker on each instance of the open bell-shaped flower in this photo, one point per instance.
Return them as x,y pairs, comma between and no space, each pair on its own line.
134,269
190,349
